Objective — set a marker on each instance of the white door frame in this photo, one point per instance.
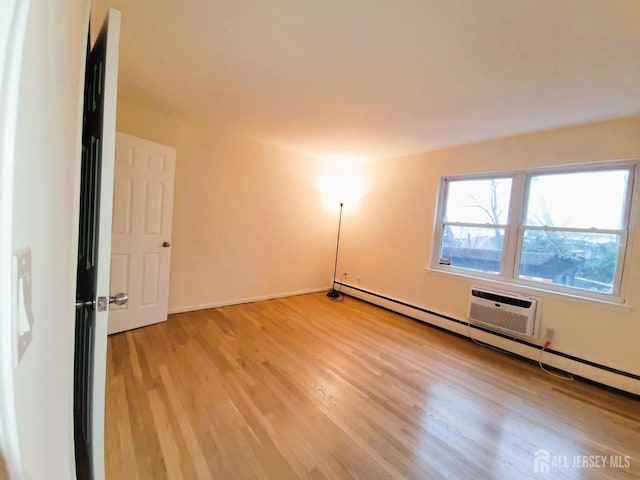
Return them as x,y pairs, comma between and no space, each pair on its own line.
13,19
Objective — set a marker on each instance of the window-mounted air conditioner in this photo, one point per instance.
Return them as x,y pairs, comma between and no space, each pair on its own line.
503,311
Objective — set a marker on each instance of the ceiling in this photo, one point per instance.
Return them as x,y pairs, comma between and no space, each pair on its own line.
380,78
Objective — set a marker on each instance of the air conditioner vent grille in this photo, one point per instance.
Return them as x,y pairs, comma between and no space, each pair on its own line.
499,318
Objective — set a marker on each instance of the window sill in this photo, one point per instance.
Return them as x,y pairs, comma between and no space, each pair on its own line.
615,304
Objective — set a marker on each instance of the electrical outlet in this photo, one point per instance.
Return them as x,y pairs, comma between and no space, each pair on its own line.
550,332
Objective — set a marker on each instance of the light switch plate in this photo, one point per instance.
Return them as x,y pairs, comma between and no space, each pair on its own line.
22,297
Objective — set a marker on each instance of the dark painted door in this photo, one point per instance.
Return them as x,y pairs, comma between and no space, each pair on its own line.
87,256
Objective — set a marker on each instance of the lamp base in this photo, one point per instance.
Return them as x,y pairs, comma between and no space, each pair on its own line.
333,294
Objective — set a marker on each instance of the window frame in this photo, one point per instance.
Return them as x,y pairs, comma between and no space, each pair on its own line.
515,228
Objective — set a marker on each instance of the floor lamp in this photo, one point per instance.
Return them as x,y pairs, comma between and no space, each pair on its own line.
333,293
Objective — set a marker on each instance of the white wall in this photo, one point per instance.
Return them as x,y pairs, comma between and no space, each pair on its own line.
44,213
249,221
387,243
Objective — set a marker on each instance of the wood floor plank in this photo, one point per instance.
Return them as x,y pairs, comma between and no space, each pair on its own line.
306,388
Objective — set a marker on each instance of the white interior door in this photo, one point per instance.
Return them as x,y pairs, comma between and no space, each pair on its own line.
141,235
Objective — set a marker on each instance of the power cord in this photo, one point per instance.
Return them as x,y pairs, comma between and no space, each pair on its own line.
484,344
564,376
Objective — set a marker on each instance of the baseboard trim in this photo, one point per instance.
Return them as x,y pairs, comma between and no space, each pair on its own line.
238,301
602,374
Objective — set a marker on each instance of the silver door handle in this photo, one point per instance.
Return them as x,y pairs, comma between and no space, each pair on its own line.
119,298
84,304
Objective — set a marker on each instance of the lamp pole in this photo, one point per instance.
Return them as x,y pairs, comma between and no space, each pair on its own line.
333,293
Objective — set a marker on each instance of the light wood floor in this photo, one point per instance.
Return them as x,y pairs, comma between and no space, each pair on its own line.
303,387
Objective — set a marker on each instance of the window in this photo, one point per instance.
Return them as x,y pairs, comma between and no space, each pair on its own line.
558,229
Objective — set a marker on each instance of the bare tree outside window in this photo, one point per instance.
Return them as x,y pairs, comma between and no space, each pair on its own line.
572,232
476,213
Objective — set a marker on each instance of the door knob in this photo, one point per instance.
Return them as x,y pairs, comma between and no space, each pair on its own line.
166,244
119,298
85,304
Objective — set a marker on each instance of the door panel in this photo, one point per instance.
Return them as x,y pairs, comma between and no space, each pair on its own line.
119,278
142,216
94,249
150,279
122,205
153,204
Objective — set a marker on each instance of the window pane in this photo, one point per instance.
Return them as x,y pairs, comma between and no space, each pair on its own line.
473,248
583,260
578,200
478,201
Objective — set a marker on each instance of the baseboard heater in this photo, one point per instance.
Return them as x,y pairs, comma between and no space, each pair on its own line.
503,311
